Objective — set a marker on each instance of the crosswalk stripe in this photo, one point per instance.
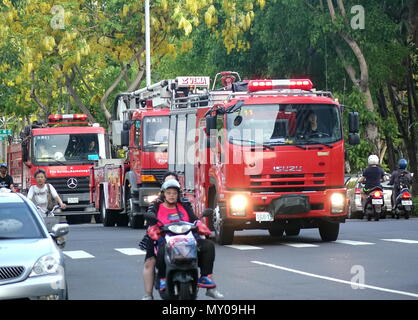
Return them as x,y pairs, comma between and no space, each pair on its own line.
401,240
243,247
299,245
354,243
131,251
78,254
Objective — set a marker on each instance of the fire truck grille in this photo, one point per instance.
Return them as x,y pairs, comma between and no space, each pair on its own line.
7,273
287,180
70,184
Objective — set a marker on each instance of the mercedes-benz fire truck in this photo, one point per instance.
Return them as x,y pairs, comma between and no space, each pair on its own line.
122,189
264,154
66,149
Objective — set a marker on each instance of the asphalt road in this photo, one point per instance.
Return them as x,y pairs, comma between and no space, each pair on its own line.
370,260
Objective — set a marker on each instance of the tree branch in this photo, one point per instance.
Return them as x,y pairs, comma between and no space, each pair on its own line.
77,99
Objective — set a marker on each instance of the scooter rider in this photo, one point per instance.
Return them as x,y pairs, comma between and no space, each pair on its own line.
6,181
170,208
397,176
372,175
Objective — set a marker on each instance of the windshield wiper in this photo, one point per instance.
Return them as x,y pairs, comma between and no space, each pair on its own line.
321,143
56,161
254,143
155,144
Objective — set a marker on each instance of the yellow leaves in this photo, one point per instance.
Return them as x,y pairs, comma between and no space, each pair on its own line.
261,3
186,45
7,3
48,43
44,8
185,25
4,67
209,16
164,5
125,10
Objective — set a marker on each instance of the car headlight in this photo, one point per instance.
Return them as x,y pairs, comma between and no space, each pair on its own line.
150,198
45,265
337,202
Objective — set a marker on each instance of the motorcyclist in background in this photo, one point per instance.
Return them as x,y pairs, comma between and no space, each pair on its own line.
6,181
397,176
372,176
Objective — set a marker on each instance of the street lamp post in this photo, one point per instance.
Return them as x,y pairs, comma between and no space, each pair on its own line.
147,44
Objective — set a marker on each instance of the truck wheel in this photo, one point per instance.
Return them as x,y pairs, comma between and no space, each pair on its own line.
108,217
223,235
98,218
122,220
135,222
329,231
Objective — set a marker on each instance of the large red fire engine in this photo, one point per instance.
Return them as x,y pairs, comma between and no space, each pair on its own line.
265,154
65,148
122,189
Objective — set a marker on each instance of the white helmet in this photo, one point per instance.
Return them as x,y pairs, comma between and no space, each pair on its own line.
373,160
170,184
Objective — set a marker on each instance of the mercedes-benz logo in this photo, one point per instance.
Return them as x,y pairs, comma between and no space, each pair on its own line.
72,183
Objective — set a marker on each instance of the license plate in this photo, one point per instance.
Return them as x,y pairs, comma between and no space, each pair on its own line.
263,216
406,202
72,200
377,201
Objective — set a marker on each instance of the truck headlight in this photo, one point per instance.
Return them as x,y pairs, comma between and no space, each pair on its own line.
337,202
238,204
150,198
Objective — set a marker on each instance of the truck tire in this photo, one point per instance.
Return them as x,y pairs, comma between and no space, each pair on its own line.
122,220
329,231
223,235
108,217
137,221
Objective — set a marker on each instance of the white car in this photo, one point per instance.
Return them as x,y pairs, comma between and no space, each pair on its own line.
31,264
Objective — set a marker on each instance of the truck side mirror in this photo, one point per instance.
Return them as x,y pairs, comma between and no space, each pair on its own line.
353,138
353,122
210,124
125,138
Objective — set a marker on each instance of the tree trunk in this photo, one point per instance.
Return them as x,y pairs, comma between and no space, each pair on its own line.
77,99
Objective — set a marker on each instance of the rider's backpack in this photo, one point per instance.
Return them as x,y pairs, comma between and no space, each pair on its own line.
403,179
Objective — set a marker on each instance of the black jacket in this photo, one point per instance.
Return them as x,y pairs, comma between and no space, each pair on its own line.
153,209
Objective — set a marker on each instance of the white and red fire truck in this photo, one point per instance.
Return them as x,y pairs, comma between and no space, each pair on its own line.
66,149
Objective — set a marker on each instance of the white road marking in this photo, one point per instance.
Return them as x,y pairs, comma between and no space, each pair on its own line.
243,247
299,245
78,254
354,243
356,284
131,251
401,240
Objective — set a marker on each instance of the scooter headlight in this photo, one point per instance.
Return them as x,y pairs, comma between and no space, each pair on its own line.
179,229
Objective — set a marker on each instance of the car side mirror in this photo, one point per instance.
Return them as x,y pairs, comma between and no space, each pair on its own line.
59,230
353,122
353,138
125,138
210,125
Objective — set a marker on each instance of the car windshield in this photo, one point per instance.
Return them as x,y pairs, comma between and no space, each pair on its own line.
68,148
284,124
155,133
17,222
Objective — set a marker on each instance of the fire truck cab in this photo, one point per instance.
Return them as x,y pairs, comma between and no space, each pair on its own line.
65,148
264,154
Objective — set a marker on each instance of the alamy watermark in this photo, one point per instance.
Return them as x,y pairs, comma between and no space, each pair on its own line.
358,21
359,279
57,21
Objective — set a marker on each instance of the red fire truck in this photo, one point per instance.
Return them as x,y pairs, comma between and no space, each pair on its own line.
65,148
264,154
122,189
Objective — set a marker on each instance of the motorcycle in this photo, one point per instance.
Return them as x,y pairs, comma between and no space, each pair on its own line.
181,260
51,221
403,203
374,203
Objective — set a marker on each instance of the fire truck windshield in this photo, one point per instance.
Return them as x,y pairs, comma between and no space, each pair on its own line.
155,133
68,149
284,124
